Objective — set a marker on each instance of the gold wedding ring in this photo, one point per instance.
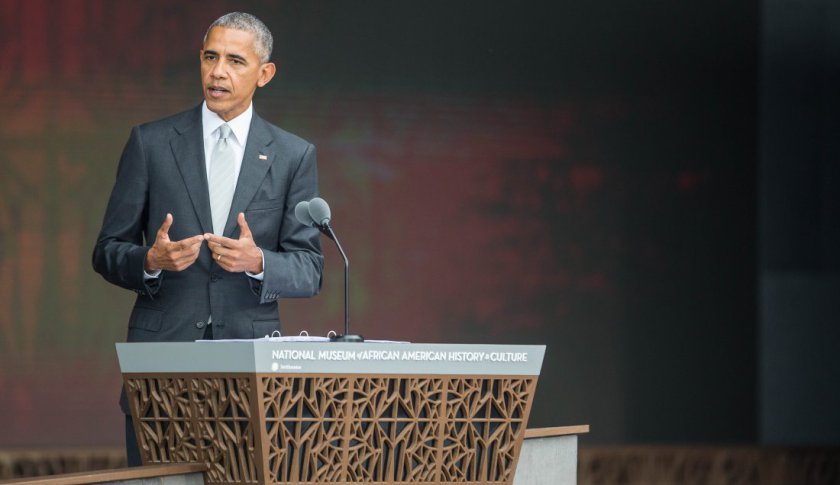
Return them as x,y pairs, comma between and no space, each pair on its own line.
218,257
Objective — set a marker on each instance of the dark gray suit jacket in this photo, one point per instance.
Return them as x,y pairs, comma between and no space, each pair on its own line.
162,170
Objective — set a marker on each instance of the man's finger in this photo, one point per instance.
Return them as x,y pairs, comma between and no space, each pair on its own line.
244,230
222,241
167,223
194,247
189,242
195,240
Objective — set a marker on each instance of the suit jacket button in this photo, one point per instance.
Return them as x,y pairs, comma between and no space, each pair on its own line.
200,325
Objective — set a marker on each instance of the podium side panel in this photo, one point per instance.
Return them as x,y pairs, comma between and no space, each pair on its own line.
197,419
521,436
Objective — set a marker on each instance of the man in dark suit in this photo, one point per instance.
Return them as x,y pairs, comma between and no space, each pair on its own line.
200,223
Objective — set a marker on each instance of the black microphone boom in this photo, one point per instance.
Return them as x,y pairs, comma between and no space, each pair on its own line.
318,213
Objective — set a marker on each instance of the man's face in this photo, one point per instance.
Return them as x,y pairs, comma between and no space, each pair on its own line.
231,71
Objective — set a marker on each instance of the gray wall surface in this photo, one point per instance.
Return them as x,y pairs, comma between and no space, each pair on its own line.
799,229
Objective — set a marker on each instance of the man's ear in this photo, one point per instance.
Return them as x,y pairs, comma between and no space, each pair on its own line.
267,72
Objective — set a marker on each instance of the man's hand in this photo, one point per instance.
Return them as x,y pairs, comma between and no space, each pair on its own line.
236,255
172,255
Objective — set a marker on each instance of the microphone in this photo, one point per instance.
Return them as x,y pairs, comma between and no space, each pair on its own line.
316,213
319,211
304,210
302,213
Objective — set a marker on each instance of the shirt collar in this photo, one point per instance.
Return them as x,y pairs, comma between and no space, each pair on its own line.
240,126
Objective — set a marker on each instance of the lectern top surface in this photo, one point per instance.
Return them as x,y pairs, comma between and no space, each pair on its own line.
262,356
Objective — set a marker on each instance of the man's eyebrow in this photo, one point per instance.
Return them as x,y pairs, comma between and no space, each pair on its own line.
211,52
237,57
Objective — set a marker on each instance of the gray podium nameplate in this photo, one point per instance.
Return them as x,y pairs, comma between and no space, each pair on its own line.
261,356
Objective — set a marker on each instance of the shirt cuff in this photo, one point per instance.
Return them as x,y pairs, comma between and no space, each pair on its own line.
261,275
152,275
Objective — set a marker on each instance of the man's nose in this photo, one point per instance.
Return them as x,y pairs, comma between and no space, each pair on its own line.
218,70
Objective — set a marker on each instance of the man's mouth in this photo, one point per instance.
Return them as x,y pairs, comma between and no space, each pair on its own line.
217,91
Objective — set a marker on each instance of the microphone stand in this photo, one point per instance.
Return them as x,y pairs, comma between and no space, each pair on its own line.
347,337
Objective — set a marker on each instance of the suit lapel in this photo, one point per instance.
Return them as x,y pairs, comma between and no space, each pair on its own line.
188,148
255,163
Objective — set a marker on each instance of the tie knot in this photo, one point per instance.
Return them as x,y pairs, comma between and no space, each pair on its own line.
224,132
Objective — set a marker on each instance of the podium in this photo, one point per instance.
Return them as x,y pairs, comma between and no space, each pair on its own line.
319,412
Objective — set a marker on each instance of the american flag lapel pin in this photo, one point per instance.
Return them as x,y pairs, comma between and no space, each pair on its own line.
263,157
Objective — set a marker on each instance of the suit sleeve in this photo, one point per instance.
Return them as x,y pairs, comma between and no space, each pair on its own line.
120,254
295,270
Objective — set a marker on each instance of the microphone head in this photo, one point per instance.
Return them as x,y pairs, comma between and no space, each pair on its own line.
302,213
319,211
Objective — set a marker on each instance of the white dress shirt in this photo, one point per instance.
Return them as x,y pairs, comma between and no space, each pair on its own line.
239,127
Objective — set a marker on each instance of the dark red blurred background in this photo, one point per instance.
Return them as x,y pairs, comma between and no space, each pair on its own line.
579,174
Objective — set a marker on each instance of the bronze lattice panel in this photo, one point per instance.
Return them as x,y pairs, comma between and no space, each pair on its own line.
484,425
305,426
337,429
205,419
385,429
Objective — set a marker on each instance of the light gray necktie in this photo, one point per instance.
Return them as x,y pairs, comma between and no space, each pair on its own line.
222,183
